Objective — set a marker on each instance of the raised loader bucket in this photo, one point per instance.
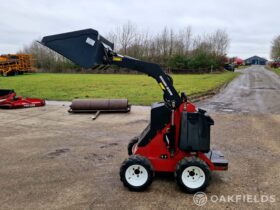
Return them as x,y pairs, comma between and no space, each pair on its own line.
85,47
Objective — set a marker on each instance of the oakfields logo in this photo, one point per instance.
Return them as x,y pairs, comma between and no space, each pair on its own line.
201,198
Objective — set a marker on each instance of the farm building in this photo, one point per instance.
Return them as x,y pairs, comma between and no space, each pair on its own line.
255,60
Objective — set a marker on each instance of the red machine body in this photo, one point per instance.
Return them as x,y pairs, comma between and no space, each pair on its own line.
9,100
157,148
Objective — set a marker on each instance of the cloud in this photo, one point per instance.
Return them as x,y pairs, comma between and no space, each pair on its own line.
251,24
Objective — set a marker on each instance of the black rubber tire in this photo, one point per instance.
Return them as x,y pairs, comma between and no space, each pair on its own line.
139,160
131,144
187,162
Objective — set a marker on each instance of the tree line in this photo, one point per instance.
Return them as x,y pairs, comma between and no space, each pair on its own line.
180,49
275,49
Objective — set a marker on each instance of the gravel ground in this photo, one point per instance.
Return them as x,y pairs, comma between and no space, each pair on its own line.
54,160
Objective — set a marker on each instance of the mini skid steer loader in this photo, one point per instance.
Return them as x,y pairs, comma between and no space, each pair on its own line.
176,140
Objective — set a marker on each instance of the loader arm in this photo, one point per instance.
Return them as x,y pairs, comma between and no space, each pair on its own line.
165,82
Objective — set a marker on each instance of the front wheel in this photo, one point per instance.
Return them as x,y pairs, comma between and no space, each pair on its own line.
192,175
136,173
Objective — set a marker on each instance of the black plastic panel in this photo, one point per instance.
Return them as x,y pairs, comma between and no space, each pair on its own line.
160,117
195,132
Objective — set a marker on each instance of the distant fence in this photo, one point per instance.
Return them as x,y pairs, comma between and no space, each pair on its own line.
190,71
112,70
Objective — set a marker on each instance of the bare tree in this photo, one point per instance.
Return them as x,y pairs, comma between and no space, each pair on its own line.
113,37
171,42
186,35
220,42
163,42
126,35
146,44
275,48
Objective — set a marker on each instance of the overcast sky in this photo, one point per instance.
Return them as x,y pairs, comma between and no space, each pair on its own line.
251,24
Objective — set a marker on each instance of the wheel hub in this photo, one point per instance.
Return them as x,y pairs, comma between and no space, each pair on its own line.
137,171
191,173
136,175
193,177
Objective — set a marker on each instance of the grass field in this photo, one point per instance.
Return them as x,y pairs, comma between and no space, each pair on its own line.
277,71
139,89
242,67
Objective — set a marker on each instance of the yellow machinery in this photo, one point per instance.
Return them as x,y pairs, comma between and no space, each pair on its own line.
13,64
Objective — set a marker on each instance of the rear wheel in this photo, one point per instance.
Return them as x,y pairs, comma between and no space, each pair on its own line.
131,144
136,173
192,175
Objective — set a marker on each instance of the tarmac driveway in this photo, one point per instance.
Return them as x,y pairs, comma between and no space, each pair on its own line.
256,90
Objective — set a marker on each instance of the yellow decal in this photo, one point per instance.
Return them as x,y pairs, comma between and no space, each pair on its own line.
161,86
117,59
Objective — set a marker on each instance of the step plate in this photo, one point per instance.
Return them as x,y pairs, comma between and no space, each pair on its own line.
217,158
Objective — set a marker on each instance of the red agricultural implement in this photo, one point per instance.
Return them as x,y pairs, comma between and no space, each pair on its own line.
9,100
